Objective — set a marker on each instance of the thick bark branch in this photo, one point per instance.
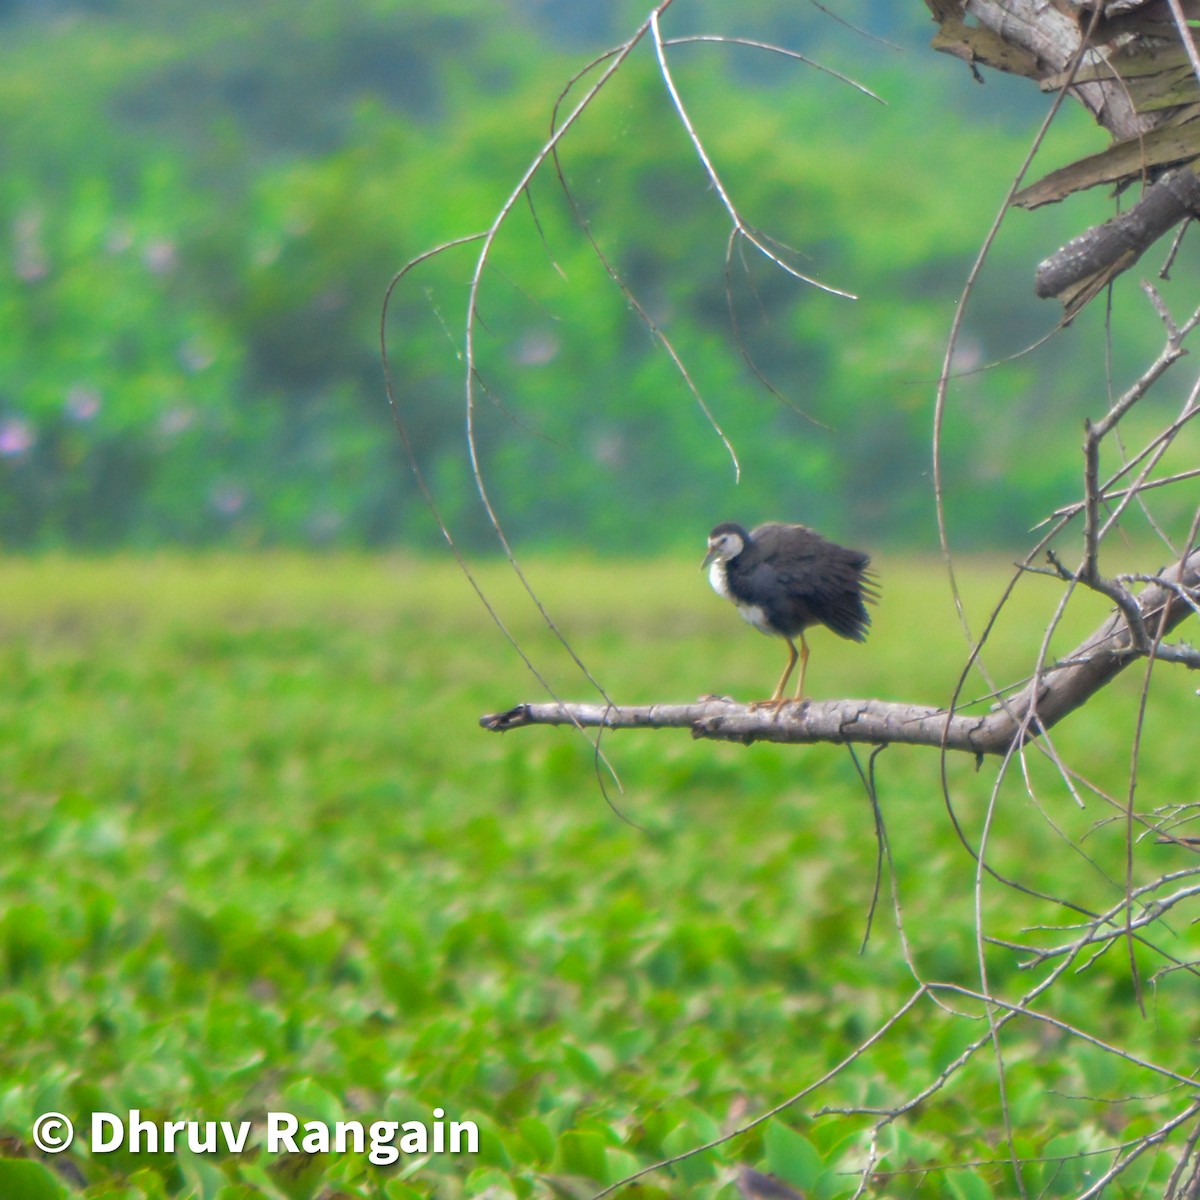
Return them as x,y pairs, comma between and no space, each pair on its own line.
1134,70
1041,41
1086,263
1059,690
872,721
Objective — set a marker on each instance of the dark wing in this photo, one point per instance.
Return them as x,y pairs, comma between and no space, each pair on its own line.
802,579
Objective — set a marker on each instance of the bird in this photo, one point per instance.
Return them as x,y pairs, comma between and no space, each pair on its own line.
786,578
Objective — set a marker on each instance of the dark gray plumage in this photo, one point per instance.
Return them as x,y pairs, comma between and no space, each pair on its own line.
785,579
754,1185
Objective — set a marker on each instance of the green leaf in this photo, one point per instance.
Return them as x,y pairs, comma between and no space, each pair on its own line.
582,1064
569,1187
694,1170
394,1189
489,1180
968,1185
23,1179
582,1152
538,1137
791,1156
309,1101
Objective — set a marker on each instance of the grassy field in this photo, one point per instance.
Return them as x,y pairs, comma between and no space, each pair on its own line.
258,857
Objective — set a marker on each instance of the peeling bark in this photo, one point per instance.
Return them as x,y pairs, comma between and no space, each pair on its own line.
1086,263
1133,72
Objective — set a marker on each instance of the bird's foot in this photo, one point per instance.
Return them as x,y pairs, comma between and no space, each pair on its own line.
778,704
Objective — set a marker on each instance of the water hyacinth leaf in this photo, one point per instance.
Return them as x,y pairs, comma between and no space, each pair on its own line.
582,1152
792,1156
23,1179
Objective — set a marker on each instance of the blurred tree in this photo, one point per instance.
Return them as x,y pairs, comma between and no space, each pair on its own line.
203,206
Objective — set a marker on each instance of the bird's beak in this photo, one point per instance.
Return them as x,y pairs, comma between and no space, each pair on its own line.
709,557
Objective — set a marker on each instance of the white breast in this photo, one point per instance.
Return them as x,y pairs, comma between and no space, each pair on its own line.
716,576
756,617
750,612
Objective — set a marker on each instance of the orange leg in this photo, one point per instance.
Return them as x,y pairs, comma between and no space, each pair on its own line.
803,668
777,699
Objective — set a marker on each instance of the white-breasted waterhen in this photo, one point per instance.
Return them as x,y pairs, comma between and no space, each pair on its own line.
785,579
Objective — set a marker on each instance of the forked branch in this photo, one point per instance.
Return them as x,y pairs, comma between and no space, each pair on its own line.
1058,690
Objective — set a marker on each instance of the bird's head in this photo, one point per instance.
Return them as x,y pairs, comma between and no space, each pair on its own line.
726,541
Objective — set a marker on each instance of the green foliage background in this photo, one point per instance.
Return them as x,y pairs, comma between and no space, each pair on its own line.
253,863
202,205
248,862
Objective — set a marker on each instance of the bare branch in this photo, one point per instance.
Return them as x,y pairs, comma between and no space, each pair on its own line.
1053,694
1133,67
739,224
1077,271
729,40
656,331
1148,1142
1185,36
723,719
1071,510
837,1069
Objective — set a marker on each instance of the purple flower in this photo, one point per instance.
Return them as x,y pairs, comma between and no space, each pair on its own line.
228,499
83,402
16,437
160,256
175,420
196,355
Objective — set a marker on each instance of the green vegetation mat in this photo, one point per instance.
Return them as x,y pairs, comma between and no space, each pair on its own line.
258,856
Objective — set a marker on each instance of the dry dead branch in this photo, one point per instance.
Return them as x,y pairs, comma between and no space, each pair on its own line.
1056,691
1134,67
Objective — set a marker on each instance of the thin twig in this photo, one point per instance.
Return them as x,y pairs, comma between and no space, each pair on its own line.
714,178
728,40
